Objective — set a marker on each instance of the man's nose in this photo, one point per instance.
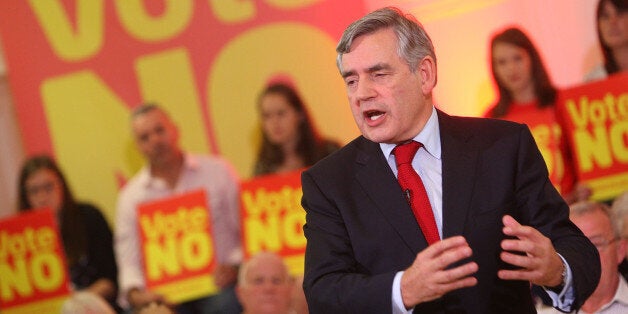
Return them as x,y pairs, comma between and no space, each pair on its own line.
365,90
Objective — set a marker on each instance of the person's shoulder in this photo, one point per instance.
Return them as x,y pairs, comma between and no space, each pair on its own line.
205,161
211,163
330,144
486,129
90,211
479,123
87,207
135,182
489,112
342,157
327,147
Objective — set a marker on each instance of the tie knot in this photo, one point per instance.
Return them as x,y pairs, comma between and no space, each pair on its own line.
404,153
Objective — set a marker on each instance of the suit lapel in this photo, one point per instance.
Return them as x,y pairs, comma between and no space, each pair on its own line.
378,181
459,161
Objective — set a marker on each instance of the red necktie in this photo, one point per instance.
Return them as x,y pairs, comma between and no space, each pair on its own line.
414,190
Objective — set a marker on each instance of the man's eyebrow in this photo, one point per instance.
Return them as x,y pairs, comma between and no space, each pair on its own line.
374,68
378,67
348,73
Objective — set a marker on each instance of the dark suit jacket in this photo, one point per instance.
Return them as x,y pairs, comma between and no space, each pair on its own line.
360,230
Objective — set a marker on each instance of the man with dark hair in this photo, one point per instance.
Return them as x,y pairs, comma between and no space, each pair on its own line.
170,171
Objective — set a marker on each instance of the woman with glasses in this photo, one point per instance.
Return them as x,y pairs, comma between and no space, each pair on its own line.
86,236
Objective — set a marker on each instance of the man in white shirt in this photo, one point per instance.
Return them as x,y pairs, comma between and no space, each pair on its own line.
170,171
598,223
264,285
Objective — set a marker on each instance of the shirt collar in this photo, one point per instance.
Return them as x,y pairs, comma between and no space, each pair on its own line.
190,163
621,295
429,136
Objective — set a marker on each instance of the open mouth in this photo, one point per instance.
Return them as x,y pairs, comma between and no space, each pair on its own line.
373,114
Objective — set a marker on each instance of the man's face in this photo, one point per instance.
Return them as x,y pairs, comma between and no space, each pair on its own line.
267,288
156,136
389,102
597,227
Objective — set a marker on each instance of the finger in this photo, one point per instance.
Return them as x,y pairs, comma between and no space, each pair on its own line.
522,261
445,245
453,255
513,228
509,221
457,273
523,246
525,275
458,284
510,225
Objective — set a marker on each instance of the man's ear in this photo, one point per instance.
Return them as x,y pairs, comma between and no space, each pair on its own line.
426,69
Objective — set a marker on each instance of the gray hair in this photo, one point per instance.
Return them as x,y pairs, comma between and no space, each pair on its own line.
414,43
584,207
620,210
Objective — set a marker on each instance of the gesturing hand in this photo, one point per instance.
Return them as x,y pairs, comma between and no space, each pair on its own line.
540,263
428,279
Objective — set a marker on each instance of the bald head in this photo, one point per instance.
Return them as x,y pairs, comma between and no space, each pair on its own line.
264,285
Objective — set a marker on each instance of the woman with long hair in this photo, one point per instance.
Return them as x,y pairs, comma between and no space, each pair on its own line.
289,139
612,33
527,95
85,234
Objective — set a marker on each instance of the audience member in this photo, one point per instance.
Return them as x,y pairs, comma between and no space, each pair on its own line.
86,236
612,32
289,139
620,210
264,285
598,223
468,223
527,95
170,171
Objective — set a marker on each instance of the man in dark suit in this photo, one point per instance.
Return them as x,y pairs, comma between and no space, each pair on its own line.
502,224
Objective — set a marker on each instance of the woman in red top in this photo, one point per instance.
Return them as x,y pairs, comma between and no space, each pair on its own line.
527,95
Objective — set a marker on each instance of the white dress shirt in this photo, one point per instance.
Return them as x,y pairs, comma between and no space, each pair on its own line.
213,174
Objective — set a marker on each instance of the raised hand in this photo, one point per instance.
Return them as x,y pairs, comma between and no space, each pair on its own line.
428,277
540,264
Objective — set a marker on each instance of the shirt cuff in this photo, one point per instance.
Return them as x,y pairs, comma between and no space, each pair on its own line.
397,301
565,299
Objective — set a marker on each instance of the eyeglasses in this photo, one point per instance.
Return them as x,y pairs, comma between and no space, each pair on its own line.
600,242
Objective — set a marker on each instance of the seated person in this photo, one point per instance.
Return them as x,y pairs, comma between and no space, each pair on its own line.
86,236
264,285
598,222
